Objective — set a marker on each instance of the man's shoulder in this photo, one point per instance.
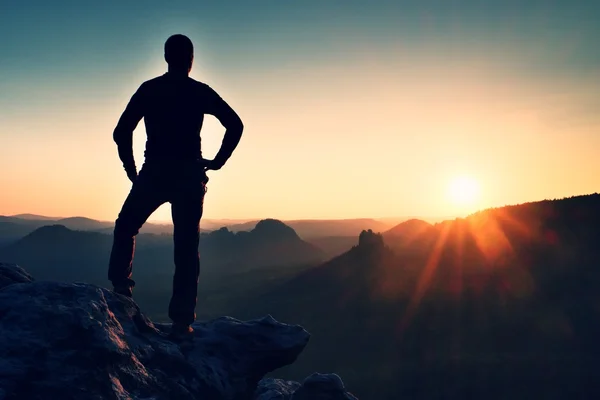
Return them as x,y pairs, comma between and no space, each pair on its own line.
145,86
199,85
160,82
152,82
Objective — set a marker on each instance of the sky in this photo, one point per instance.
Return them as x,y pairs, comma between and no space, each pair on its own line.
351,108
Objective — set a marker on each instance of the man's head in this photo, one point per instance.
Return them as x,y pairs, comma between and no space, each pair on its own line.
179,52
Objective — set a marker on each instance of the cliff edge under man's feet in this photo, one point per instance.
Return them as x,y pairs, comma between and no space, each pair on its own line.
80,341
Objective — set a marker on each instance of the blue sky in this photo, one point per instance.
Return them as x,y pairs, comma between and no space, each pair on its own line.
51,37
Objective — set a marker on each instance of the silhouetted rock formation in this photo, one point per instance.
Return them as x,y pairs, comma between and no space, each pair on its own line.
274,229
80,341
270,243
370,240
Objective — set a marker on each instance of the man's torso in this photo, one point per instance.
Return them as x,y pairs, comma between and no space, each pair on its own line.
174,109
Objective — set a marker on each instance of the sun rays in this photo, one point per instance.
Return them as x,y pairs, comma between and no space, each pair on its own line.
476,254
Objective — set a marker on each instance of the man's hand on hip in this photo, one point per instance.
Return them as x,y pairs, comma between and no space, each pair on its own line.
213,165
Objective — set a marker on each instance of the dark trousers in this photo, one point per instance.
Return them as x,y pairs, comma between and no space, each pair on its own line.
184,186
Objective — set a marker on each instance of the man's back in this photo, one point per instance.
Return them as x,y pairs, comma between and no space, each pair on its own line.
173,109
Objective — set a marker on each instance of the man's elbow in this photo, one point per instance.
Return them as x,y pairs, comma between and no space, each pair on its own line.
116,136
236,125
121,136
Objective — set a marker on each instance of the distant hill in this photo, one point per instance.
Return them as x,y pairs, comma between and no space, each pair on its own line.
83,224
487,306
270,243
34,217
10,232
273,249
310,229
15,227
211,224
406,232
393,221
344,277
24,221
57,252
408,228
306,229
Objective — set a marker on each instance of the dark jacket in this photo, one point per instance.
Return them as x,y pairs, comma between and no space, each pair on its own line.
173,108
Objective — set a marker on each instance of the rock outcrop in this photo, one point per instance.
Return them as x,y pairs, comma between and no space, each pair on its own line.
10,273
81,341
370,239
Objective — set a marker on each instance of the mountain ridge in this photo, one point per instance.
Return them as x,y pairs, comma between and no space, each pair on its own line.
65,251
509,292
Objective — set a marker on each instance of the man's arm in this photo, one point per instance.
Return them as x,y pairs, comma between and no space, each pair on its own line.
123,133
233,128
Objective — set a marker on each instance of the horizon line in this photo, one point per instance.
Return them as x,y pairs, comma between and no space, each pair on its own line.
234,220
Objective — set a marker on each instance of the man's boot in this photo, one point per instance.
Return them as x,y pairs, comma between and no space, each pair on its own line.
181,332
124,289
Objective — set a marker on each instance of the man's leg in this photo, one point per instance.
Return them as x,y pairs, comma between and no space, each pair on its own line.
186,208
143,199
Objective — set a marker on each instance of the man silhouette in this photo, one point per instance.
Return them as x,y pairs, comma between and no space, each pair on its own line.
173,107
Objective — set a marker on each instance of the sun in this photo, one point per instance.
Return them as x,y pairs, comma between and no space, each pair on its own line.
463,191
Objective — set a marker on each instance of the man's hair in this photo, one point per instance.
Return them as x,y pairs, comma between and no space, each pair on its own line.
179,50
